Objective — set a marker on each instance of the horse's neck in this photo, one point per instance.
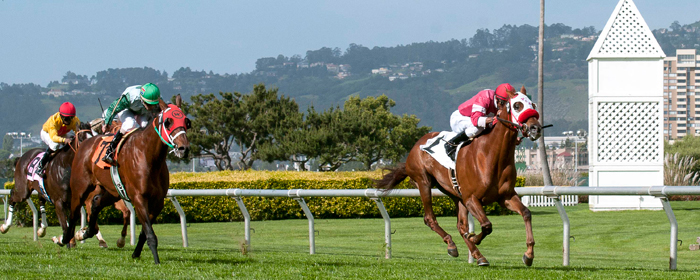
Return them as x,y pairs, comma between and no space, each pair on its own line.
152,143
500,143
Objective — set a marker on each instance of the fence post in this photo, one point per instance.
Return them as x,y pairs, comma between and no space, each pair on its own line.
132,222
246,219
470,221
183,221
387,226
567,235
35,214
674,233
310,217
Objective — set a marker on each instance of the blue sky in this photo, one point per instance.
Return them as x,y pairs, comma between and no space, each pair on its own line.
41,40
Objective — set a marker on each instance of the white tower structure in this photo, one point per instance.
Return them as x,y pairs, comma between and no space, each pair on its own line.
625,99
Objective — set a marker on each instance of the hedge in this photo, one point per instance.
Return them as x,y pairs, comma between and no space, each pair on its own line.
225,209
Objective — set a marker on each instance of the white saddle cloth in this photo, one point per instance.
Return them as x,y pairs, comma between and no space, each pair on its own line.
435,147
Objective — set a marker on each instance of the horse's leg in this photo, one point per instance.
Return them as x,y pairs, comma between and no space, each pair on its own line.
474,206
141,207
99,202
139,243
42,209
463,227
429,218
18,194
125,215
514,204
61,215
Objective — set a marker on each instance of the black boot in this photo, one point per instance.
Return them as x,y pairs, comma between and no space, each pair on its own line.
44,161
451,145
111,149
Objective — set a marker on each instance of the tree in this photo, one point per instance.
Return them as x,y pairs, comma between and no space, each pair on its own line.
7,143
263,114
375,133
213,126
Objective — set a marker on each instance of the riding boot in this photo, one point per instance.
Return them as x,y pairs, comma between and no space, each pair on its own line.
111,149
44,161
451,145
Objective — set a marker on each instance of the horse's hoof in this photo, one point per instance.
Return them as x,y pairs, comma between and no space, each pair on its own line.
482,262
79,235
4,229
121,242
72,243
57,241
41,232
135,256
527,261
103,244
453,252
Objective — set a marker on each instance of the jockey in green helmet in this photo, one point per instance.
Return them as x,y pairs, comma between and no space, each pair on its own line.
133,109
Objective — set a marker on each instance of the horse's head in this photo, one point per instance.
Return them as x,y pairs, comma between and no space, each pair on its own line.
172,127
520,110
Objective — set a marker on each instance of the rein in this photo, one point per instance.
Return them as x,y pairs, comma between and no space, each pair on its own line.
77,144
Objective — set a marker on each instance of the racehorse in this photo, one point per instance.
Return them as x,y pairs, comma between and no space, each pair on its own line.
56,181
143,171
485,171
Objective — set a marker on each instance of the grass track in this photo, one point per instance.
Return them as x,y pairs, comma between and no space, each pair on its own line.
608,245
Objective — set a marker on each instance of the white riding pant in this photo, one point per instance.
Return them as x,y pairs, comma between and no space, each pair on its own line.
130,121
461,123
53,145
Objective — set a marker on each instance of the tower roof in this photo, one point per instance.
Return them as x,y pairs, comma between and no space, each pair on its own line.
626,35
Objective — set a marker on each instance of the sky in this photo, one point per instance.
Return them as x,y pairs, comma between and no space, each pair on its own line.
41,40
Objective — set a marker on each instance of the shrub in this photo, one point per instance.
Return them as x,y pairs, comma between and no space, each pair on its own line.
225,209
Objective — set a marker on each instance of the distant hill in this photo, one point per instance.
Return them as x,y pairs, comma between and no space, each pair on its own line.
428,79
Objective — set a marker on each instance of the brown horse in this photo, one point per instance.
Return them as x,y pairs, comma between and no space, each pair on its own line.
485,171
56,181
142,169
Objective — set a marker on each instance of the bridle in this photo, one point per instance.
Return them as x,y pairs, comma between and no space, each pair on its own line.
159,127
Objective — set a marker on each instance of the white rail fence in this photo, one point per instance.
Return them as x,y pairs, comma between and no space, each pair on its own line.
544,201
552,192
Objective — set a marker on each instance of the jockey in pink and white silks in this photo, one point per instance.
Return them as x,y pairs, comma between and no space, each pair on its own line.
475,115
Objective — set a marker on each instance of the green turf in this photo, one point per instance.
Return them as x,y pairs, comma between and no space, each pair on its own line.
608,245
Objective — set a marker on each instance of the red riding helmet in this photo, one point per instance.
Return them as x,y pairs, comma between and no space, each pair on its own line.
67,110
502,91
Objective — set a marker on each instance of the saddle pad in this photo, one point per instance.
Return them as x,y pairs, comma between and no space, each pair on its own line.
33,176
101,150
435,147
99,153
32,167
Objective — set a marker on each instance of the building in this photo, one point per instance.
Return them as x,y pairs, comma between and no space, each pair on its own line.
681,76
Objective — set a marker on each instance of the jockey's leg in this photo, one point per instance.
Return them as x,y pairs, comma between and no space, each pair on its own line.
52,148
128,122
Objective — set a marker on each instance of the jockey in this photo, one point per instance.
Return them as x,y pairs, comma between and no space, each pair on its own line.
475,115
133,109
55,129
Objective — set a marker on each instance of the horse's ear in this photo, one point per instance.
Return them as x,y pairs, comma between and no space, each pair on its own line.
178,100
522,89
162,104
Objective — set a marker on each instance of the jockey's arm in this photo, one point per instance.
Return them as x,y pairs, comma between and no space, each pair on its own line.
116,107
478,116
51,126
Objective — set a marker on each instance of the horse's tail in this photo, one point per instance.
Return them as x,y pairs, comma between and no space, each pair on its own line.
16,162
393,178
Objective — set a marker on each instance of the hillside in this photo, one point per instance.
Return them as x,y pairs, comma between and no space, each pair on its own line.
427,79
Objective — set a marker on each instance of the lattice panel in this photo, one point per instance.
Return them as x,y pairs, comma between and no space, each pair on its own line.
628,132
629,35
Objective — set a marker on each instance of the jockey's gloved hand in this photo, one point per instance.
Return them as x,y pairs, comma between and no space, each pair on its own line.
67,140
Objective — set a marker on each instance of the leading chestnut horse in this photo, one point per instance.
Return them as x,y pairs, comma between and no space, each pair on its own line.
485,171
142,169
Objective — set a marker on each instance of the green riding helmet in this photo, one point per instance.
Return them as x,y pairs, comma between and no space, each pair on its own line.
150,93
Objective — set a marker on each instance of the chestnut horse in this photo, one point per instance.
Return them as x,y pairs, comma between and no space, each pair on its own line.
485,171
142,169
56,181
